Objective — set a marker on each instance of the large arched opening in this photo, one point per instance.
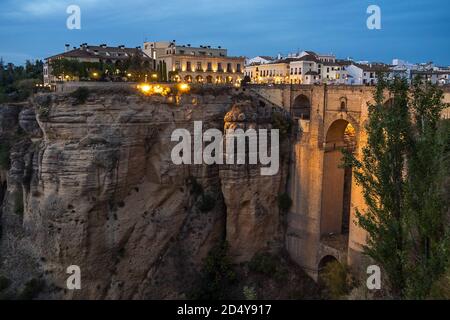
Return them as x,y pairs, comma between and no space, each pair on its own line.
337,180
301,108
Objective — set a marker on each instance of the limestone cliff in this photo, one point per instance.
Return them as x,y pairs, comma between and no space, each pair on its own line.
92,184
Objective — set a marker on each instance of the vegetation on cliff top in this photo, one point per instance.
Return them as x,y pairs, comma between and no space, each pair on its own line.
17,83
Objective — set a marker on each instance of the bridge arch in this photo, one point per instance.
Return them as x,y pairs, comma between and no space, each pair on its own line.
337,180
301,108
325,261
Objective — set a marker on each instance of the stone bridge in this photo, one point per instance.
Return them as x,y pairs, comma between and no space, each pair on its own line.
320,225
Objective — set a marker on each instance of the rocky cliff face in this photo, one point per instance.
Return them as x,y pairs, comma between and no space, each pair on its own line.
93,185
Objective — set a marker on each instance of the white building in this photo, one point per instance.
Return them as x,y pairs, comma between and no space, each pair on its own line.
259,60
366,74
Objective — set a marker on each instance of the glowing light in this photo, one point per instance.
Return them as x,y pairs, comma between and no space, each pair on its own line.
145,88
148,89
95,74
184,87
154,76
128,74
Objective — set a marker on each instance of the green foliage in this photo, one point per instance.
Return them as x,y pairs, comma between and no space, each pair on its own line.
80,95
32,289
263,263
441,287
250,293
268,265
4,283
18,203
134,65
17,83
284,202
401,173
207,203
217,275
43,112
335,278
196,188
4,155
280,122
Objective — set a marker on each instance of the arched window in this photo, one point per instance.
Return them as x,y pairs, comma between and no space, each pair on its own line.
301,108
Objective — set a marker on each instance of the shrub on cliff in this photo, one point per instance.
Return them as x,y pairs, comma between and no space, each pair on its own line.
263,263
196,188
268,265
207,203
31,290
4,155
335,278
18,203
284,202
4,283
80,95
217,276
281,123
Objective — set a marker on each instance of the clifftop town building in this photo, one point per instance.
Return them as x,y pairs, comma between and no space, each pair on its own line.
309,67
169,61
95,54
202,64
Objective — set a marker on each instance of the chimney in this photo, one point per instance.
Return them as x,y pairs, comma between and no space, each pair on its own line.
121,46
67,47
103,45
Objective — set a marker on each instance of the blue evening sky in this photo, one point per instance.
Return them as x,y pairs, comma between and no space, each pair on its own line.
413,30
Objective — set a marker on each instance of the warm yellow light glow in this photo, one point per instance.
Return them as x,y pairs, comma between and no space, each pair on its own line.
95,74
154,76
145,88
184,87
148,89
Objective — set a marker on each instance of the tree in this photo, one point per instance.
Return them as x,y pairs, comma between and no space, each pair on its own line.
400,172
427,170
246,81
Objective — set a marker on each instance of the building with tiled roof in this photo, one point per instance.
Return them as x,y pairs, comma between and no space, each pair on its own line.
102,54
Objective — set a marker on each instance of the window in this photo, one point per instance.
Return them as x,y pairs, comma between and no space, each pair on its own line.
177,66
229,68
219,67
209,66
199,66
238,67
188,66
